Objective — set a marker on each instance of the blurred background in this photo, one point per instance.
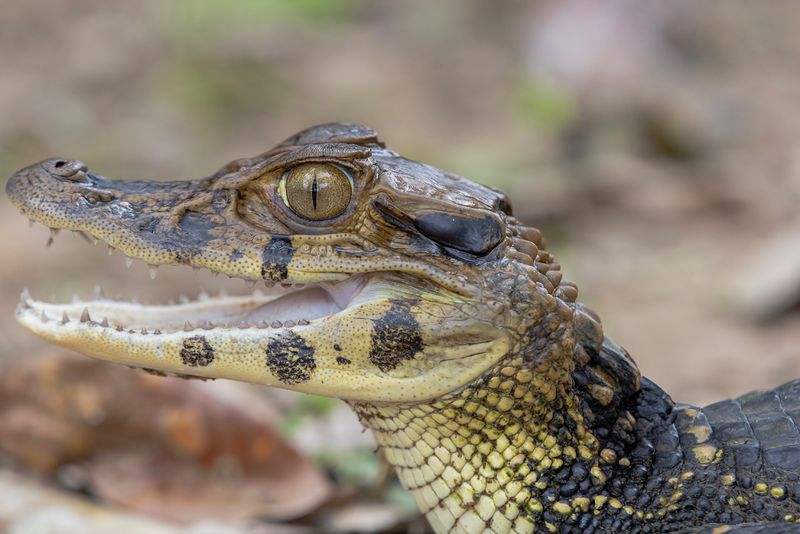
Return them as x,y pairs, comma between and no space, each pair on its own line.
657,144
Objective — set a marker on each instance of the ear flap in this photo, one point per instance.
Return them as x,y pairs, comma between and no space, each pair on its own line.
476,235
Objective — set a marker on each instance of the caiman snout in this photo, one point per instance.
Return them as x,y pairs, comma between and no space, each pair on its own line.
43,185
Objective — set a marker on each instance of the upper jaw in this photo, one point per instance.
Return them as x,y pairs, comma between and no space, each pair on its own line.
135,217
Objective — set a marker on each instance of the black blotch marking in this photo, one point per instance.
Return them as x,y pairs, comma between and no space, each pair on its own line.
337,348
397,337
342,360
290,358
276,257
196,352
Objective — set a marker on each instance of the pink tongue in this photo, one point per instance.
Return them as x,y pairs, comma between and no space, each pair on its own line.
342,293
308,304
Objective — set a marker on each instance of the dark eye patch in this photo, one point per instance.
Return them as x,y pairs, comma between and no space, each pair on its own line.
475,235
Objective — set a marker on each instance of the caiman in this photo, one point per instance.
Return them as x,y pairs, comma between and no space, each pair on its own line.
416,296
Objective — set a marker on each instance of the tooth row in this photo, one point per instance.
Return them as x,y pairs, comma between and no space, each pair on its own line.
99,294
187,327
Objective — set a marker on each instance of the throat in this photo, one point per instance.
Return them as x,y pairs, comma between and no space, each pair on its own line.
493,455
521,450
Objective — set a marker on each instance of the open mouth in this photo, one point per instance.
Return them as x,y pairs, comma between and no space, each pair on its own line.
276,307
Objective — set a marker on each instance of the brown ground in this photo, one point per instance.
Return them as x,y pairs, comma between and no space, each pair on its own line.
655,143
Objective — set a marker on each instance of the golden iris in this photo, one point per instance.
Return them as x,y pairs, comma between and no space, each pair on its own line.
316,191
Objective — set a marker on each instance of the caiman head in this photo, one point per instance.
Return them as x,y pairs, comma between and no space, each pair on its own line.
388,280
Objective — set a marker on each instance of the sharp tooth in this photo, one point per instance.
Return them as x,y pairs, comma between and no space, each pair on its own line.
187,327
183,299
119,328
43,317
75,298
110,250
157,332
153,271
25,296
303,322
243,324
276,324
289,324
49,241
128,262
263,324
104,323
85,316
64,318
144,330
54,232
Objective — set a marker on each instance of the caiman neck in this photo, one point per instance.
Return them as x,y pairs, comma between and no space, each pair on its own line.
521,447
564,436
563,432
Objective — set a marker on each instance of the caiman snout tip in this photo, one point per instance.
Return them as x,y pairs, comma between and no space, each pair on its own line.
39,177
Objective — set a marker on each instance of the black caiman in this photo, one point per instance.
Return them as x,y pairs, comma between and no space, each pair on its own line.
417,297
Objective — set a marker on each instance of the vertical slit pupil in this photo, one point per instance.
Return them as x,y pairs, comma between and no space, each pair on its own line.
314,192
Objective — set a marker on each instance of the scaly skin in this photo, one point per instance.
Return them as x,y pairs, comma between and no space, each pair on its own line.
441,320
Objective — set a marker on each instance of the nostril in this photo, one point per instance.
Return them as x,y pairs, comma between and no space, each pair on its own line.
70,169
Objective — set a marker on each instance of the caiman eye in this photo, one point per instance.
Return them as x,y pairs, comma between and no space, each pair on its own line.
316,191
